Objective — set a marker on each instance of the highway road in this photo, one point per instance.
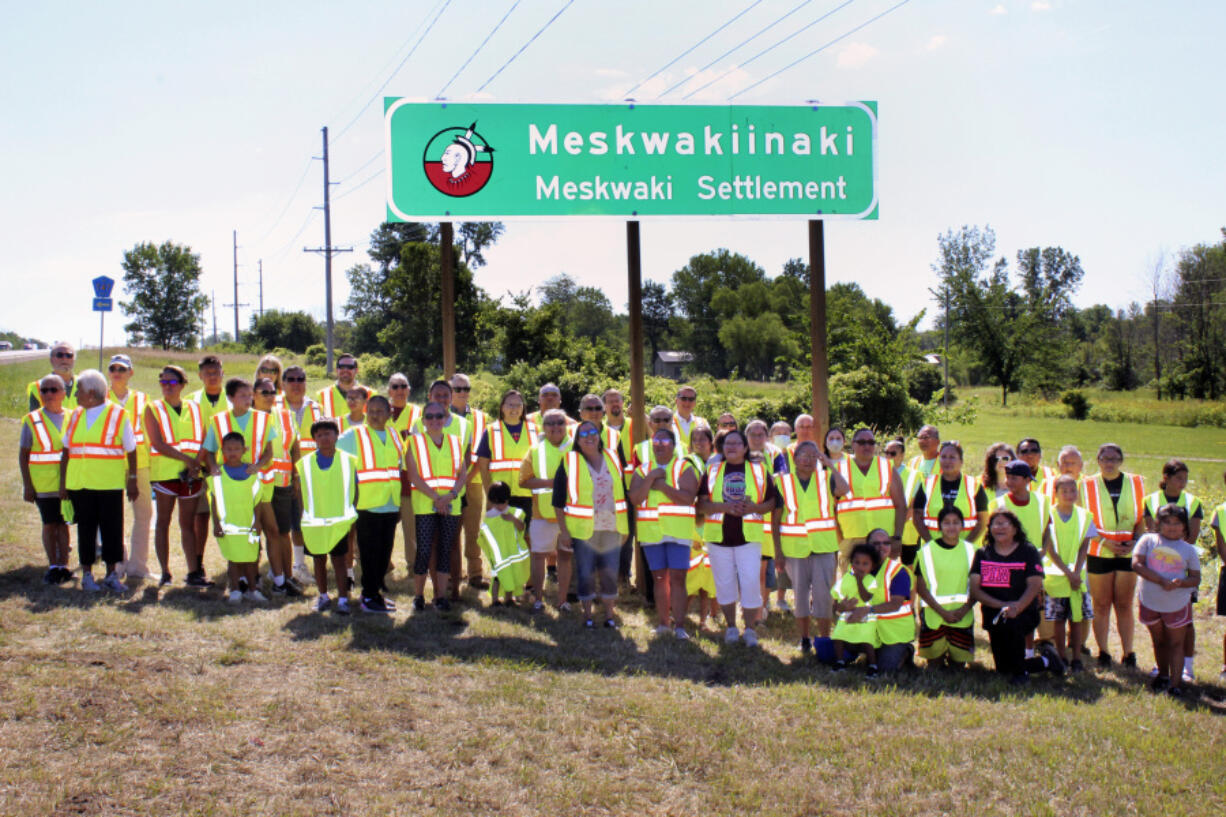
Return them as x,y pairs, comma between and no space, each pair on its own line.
16,355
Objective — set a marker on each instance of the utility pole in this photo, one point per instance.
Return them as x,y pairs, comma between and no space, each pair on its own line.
236,286
213,301
261,287
945,354
327,250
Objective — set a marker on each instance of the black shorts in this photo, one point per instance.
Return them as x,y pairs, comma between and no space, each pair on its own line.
909,552
524,503
287,509
339,549
1102,565
50,510
1221,592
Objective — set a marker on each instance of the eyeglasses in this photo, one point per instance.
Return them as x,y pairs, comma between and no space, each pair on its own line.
591,432
117,368
1029,451
660,420
268,392
727,425
295,379
170,382
462,389
591,408
864,442
685,398
434,416
64,355
48,389
398,386
1003,458
555,422
270,369
662,440
346,365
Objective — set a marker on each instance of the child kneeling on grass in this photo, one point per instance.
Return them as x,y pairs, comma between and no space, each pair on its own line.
236,498
328,490
502,542
856,632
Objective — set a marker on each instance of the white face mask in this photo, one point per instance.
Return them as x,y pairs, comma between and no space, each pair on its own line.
782,440
834,446
493,513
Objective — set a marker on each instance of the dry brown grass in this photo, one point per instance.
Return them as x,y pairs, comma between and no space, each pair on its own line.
179,703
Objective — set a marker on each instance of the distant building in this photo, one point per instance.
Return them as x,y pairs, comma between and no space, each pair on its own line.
669,364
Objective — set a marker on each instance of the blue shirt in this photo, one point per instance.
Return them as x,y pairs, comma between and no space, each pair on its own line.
349,444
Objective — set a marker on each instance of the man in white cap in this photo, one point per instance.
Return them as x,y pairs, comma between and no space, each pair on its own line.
133,404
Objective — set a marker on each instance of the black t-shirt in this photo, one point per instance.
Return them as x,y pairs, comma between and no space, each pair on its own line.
1004,577
734,489
1114,487
949,493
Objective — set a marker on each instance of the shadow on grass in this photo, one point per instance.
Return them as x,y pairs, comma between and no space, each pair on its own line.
558,642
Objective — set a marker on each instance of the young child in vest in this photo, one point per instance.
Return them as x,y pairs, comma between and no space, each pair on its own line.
355,399
1064,582
700,583
234,496
502,542
1216,522
328,511
855,588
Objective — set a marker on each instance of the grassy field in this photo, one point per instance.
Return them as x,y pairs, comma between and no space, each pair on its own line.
176,702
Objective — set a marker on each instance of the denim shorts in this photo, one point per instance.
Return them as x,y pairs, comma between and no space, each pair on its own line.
667,555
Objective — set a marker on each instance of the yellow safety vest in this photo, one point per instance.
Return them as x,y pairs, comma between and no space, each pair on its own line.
134,407
507,454
897,627
236,501
947,573
70,397
439,466
409,417
923,466
255,435
861,632
1066,539
964,501
1035,515
657,516
96,459
544,459
1114,522
45,453
504,546
683,437
580,507
311,414
912,479
867,506
379,464
209,410
182,431
279,473
808,524
755,489
332,400
327,500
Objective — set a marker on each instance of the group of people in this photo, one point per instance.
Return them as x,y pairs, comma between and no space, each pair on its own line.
885,556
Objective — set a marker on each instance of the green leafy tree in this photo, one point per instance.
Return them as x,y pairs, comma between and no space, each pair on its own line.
586,311
1200,319
693,289
164,284
285,330
658,311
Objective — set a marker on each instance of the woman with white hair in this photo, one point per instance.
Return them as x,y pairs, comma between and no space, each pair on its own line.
99,461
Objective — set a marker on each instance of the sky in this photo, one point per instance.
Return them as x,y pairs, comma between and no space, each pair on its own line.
1095,126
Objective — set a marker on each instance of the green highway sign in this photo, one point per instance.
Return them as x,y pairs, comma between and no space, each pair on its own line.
494,161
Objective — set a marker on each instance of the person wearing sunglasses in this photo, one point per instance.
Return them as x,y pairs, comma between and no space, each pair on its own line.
39,453
98,465
928,438
664,500
1030,452
658,418
332,399
547,399
995,459
176,429
536,474
279,509
876,498
134,403
684,418
473,507
437,463
270,366
63,358
303,413
589,499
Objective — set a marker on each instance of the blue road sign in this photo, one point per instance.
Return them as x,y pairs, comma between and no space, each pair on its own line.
102,304
102,289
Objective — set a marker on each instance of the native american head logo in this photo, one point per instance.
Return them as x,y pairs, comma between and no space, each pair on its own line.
458,161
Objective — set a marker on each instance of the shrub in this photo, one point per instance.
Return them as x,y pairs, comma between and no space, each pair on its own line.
866,397
1078,405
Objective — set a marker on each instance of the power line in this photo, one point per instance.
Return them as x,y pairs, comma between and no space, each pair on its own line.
734,48
392,75
771,48
305,171
362,184
523,47
285,248
680,56
363,166
820,49
439,95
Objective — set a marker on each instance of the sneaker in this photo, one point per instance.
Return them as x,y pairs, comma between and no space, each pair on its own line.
1055,664
1159,684
279,589
588,625
538,606
63,575
750,637
806,646
235,596
839,665
871,671
611,624
342,606
165,580
388,604
1076,666
663,630
322,603
732,635
1130,660
442,605
784,607
243,586
113,583
1153,673
373,605
51,575
88,584
255,596
419,603
1104,660
1175,692
196,578
1187,676
564,607
681,634
302,575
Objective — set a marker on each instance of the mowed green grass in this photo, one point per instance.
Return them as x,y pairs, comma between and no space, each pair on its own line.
176,702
